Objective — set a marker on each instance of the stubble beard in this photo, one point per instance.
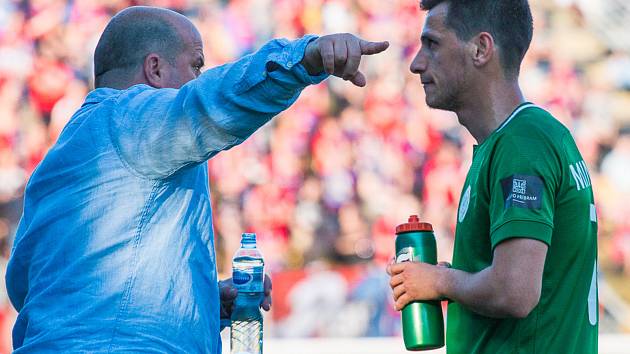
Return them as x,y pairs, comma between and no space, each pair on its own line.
445,100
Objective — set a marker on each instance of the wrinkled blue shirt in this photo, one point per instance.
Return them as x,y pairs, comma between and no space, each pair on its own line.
115,251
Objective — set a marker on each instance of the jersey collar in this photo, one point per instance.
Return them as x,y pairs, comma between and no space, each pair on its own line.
516,111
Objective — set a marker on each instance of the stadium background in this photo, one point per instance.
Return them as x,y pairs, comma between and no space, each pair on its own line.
327,181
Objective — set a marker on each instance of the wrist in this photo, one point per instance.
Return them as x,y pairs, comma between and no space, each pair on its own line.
443,281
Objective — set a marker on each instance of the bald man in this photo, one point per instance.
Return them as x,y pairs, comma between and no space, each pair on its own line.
114,251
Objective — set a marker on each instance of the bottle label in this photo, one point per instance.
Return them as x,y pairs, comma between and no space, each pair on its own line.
406,254
249,281
241,278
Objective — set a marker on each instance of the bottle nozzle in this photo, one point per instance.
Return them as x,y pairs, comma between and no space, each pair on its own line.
414,224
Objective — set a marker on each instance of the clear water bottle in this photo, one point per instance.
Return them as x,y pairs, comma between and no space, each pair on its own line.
246,333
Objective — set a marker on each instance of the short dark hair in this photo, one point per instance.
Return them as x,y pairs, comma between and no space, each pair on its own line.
132,35
508,21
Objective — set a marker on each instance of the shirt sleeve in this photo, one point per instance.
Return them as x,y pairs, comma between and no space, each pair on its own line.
525,175
157,132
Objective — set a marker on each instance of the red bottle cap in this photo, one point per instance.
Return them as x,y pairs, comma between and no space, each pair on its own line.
414,224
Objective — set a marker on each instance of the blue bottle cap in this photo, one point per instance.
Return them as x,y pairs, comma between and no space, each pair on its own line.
248,238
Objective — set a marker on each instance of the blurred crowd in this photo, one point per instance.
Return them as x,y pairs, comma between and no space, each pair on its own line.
326,182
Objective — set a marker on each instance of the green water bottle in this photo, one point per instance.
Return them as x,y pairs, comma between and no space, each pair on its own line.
422,322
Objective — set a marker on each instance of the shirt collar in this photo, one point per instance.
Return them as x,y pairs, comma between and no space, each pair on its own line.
102,93
99,95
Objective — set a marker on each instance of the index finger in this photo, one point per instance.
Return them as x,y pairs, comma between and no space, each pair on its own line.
227,290
396,268
370,48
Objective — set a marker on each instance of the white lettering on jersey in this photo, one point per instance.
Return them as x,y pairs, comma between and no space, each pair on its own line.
463,205
580,175
585,171
592,298
593,213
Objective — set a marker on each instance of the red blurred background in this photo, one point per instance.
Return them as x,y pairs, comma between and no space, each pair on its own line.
326,182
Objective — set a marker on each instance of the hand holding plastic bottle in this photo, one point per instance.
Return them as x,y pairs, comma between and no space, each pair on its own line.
228,293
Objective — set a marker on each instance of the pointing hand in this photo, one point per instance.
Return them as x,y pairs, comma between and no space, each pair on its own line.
340,55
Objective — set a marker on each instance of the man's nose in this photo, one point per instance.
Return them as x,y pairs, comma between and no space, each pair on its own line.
419,63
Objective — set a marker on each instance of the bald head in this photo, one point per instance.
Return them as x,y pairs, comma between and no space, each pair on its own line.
131,36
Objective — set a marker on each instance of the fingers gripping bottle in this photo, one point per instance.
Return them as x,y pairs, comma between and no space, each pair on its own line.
422,322
246,331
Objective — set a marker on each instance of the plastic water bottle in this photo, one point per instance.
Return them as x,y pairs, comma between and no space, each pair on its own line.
422,321
246,332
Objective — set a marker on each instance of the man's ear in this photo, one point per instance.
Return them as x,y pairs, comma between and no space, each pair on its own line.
482,49
153,68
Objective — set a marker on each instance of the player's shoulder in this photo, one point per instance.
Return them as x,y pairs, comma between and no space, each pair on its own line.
534,122
536,119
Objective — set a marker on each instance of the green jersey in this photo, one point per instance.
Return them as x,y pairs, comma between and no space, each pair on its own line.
528,180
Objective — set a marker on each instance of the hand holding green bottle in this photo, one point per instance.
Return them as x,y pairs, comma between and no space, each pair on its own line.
422,321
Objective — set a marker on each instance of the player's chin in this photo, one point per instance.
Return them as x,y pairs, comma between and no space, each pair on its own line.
435,102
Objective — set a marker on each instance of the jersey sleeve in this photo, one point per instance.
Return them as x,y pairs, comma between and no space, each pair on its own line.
525,175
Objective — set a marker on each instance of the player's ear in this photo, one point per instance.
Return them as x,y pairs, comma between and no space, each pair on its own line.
482,49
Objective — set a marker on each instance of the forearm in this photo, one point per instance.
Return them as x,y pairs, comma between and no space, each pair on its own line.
484,293
240,97
214,112
259,86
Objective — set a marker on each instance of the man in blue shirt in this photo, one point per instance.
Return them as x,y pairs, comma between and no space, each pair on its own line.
114,251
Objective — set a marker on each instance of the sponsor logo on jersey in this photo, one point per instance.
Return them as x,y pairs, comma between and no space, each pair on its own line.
522,191
463,205
580,175
519,186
